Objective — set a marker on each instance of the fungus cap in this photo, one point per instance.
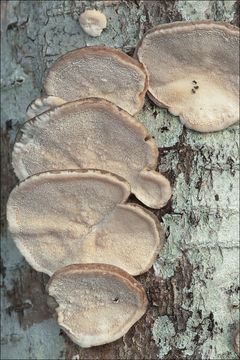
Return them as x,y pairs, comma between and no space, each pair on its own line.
68,217
236,342
42,104
93,22
98,72
92,133
97,303
193,70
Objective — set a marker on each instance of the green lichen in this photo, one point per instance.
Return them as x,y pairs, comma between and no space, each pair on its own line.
163,332
164,127
195,10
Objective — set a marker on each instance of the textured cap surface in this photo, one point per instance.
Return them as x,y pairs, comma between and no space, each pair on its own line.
193,70
98,72
92,133
97,303
68,217
42,104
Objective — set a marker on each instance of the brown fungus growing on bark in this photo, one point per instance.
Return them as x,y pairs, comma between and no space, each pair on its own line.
93,22
92,133
68,217
236,342
97,303
193,70
98,72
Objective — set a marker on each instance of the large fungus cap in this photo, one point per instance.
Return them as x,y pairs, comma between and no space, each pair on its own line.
193,70
98,72
97,303
92,133
68,217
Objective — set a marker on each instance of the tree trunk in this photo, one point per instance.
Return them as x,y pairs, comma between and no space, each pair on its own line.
192,288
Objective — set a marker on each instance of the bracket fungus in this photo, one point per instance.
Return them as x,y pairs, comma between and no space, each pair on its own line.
92,133
42,104
236,342
93,22
68,217
193,70
98,72
97,303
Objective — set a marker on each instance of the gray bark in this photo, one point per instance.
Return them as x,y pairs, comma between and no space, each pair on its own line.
192,288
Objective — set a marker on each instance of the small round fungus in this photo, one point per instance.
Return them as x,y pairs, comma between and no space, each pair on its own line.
92,133
93,22
193,70
98,72
42,104
68,217
97,303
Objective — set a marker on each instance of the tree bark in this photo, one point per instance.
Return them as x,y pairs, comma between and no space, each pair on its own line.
192,288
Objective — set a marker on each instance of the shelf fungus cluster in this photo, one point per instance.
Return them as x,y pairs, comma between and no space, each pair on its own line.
78,157
81,153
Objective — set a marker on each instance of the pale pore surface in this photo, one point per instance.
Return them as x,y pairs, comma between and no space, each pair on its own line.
93,22
92,134
96,307
194,71
98,72
42,104
63,218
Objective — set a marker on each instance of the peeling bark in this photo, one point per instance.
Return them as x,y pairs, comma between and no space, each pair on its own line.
193,287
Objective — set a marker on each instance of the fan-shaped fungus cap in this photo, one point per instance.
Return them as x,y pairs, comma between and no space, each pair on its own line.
42,104
80,216
193,70
93,22
97,303
98,72
92,133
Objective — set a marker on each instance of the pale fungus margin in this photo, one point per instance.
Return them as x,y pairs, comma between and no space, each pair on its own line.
101,72
92,133
97,303
68,217
42,104
193,70
93,22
